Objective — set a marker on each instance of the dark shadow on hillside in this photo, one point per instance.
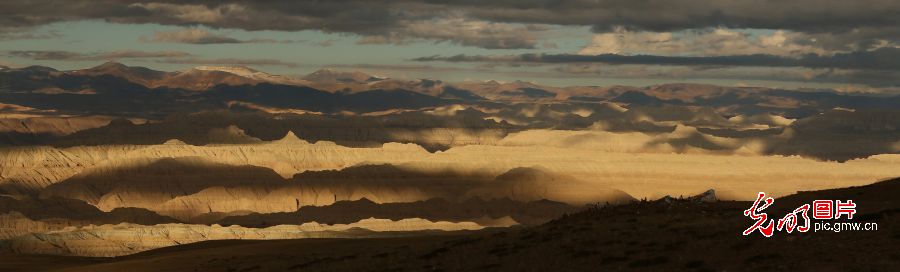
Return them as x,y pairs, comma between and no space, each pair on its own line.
436,209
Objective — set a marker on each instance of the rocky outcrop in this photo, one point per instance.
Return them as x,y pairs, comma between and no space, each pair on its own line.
533,184
28,169
708,196
55,126
191,189
14,224
155,180
627,162
77,212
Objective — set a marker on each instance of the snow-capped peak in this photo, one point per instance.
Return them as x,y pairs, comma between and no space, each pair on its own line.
246,72
237,70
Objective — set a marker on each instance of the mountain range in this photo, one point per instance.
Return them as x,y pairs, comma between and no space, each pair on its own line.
116,160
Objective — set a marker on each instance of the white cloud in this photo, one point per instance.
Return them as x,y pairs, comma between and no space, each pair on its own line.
714,42
462,31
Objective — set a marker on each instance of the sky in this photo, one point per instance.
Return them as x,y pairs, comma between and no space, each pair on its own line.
847,46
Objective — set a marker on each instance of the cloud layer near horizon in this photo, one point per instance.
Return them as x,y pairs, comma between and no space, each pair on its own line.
202,36
879,59
833,24
173,57
858,40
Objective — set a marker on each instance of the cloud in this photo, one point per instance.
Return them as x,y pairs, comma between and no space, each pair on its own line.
202,36
172,57
837,18
879,59
11,36
73,56
461,31
325,43
369,15
191,36
490,24
711,42
227,61
856,39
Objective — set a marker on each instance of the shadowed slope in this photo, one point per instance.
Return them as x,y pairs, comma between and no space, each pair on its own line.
343,212
656,235
190,188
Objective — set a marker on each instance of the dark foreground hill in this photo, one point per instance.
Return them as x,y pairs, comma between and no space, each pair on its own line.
663,235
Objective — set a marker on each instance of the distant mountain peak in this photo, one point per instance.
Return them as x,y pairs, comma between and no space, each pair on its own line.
112,67
524,82
238,70
331,75
38,68
291,139
109,65
175,142
246,72
136,74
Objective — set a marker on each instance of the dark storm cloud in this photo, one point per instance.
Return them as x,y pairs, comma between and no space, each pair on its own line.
880,59
378,21
668,15
396,21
